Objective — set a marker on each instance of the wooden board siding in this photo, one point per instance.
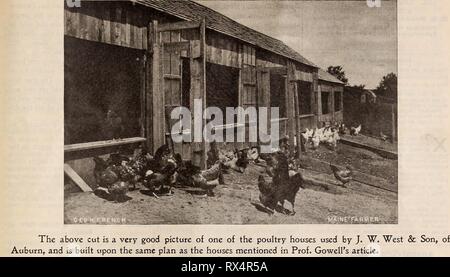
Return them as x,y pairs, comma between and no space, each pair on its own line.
118,23
267,59
222,50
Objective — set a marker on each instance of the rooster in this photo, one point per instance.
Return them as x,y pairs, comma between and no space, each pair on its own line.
283,186
344,175
354,131
267,195
161,182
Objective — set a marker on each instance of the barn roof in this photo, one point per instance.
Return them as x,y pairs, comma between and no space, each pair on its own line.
325,76
192,11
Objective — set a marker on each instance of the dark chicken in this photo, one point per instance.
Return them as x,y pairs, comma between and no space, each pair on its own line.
283,187
344,175
109,177
161,182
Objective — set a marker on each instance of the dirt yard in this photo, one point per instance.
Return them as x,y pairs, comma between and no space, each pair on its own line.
322,201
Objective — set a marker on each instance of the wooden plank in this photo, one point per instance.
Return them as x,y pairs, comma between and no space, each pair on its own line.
72,23
298,120
83,33
127,24
157,92
93,23
182,25
131,20
149,83
290,105
100,144
68,170
116,16
203,83
176,47
106,26
172,76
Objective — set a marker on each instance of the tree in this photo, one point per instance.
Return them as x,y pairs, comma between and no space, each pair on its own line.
338,72
388,86
359,86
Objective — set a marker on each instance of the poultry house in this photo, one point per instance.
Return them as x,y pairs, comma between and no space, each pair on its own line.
342,175
283,186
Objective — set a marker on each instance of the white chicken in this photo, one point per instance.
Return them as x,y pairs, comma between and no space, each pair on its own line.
354,131
333,139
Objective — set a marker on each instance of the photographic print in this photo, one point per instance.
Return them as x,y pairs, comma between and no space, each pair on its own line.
230,112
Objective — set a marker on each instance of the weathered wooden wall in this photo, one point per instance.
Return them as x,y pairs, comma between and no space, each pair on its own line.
332,115
119,23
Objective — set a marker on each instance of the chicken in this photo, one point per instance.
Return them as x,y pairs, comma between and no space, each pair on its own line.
342,129
315,140
267,195
283,186
333,139
110,178
354,131
161,182
212,154
105,175
118,190
289,191
113,127
253,154
239,162
383,136
242,159
214,173
344,175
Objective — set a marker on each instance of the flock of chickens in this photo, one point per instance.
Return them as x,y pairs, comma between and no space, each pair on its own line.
159,173
328,135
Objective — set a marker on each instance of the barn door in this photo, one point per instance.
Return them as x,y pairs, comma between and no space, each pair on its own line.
179,50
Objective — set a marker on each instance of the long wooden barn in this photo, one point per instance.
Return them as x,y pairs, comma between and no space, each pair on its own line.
137,60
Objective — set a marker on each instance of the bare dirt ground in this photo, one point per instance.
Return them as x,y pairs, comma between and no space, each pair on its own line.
236,202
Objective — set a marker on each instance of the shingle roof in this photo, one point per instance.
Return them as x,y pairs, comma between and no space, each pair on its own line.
325,76
192,11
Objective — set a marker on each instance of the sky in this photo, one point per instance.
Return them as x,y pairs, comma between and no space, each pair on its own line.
361,39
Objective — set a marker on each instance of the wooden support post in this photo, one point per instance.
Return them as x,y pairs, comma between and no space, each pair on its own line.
198,91
68,170
203,84
394,131
291,104
157,90
298,132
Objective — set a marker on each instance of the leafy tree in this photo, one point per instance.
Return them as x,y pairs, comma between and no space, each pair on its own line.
359,86
338,72
388,86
